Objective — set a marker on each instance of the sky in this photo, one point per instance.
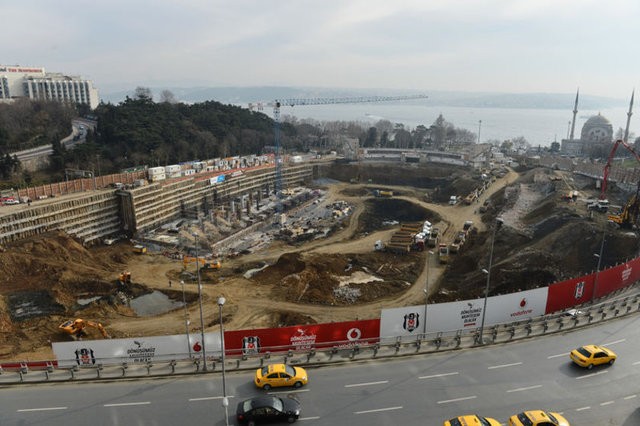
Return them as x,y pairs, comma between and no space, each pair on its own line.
509,46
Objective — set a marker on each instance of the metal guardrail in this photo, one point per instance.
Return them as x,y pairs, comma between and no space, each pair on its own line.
386,347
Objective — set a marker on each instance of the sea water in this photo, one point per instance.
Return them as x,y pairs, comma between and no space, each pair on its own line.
540,127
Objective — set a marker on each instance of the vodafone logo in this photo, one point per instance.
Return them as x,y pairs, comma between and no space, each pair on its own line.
354,334
523,303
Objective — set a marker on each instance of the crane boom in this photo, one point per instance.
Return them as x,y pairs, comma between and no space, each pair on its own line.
276,104
605,172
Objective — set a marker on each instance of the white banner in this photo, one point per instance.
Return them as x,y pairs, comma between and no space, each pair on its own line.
466,314
135,350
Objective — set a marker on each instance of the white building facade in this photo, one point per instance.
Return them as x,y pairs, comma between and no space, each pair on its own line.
35,83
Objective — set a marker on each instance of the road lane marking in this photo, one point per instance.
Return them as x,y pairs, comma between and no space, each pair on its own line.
524,389
557,356
366,384
446,401
288,391
438,375
504,365
630,396
636,363
377,410
614,342
24,410
583,408
127,404
209,398
607,403
591,375
308,418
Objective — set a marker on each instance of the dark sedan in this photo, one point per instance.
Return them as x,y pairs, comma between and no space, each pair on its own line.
267,409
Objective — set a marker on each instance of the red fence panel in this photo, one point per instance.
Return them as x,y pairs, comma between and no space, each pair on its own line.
302,337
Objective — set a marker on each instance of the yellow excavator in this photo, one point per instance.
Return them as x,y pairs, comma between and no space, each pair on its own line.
204,263
76,328
124,278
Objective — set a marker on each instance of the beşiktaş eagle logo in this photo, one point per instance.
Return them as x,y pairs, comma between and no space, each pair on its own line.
411,321
250,344
85,356
579,290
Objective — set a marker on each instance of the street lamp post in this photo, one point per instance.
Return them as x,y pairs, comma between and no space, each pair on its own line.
186,318
426,295
599,256
204,352
225,401
479,128
498,224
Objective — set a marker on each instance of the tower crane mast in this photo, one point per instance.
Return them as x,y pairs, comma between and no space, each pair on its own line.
278,103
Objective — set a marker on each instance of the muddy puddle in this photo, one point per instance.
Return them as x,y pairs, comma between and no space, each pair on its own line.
154,303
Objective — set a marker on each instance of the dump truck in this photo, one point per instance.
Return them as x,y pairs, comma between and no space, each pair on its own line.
140,249
381,193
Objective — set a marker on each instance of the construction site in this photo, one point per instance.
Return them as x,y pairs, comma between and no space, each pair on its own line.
343,241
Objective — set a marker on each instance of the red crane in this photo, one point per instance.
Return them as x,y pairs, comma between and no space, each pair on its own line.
605,173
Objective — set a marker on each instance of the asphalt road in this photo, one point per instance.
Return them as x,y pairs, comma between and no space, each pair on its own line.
496,381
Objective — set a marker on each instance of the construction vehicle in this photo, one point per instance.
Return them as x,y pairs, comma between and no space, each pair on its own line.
140,249
443,253
629,216
381,193
204,263
125,277
76,328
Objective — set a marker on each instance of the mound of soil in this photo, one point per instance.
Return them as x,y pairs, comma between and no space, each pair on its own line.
340,279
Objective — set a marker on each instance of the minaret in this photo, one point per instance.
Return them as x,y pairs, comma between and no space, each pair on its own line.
629,114
575,112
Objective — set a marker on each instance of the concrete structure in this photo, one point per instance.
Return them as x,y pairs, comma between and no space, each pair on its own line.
35,83
91,216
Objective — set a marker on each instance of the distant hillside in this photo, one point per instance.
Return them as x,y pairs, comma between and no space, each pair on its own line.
244,95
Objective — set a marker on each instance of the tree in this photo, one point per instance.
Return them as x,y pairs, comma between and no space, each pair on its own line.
144,94
441,131
167,96
465,137
371,138
520,143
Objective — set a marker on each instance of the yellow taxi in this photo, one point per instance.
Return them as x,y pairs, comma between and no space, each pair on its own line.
472,420
277,375
537,418
590,355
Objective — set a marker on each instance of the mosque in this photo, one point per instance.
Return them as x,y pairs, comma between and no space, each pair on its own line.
596,132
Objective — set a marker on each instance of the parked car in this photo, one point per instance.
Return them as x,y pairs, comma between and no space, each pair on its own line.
472,420
278,375
267,409
537,418
590,355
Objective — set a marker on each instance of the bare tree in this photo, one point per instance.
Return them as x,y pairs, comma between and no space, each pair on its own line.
167,96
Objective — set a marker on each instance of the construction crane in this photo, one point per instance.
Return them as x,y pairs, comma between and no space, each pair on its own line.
628,217
605,173
313,101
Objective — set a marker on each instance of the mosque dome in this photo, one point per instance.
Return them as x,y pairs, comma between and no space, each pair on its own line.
597,129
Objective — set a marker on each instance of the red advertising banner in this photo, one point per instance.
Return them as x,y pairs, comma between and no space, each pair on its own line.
565,294
302,337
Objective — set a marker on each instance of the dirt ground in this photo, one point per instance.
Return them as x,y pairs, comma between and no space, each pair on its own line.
337,278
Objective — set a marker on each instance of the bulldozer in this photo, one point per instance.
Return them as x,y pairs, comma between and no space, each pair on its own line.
204,263
76,328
